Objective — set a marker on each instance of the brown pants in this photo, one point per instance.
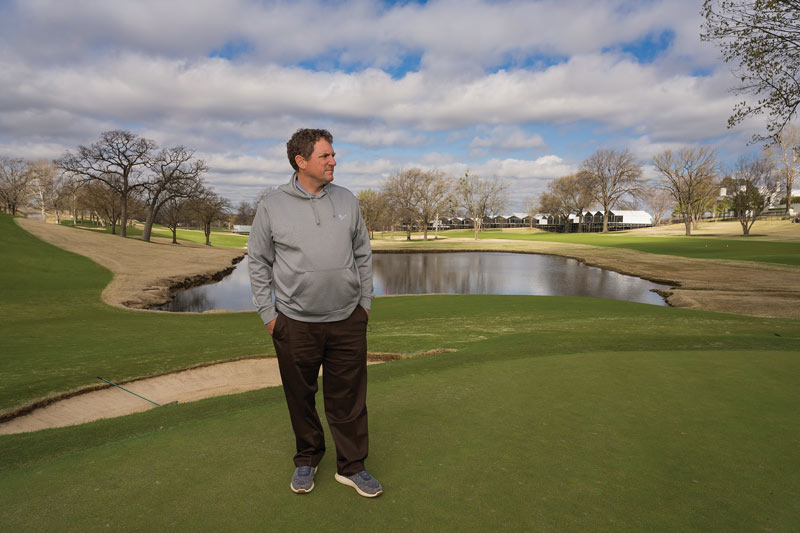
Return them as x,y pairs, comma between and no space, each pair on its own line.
341,348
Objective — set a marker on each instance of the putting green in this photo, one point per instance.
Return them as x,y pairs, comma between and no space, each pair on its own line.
657,440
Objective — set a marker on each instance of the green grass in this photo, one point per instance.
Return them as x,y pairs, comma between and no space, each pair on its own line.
220,237
554,414
57,335
737,249
223,240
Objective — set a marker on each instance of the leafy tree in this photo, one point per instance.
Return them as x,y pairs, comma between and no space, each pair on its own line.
612,176
749,188
690,176
761,37
480,197
785,155
117,160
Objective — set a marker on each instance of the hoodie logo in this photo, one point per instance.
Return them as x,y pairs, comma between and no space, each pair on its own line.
341,216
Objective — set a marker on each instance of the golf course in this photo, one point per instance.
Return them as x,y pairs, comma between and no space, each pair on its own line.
535,413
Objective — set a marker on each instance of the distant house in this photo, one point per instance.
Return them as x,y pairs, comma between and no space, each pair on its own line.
245,230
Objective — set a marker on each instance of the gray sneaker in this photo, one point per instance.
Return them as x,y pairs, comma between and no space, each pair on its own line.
303,479
364,484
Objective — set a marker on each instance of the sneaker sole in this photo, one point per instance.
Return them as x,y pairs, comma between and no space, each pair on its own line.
350,483
303,491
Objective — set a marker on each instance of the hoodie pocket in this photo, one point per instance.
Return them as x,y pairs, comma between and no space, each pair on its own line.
327,291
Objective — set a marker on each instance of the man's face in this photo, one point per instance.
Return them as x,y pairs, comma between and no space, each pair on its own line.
318,169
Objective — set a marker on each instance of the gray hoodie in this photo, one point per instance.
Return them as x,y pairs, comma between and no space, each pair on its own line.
311,252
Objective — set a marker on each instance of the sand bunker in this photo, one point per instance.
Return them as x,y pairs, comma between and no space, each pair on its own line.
184,386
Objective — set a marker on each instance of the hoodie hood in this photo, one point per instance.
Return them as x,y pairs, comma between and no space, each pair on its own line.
293,189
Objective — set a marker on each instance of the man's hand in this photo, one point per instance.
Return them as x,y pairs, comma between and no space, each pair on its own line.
365,310
271,325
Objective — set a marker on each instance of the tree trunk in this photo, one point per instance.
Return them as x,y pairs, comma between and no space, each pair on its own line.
207,231
605,221
688,223
123,217
174,235
148,224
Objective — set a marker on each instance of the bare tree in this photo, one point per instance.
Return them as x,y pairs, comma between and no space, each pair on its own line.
659,200
580,195
374,209
530,204
175,174
64,193
690,176
785,155
209,207
480,197
44,184
435,193
117,160
556,200
104,201
245,213
173,213
612,175
403,194
750,186
15,182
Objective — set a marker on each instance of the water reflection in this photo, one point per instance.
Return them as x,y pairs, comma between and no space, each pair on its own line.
453,273
505,273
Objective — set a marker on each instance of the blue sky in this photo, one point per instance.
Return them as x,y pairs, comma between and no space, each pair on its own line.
521,90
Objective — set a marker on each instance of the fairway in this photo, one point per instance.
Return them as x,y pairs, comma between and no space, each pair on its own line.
729,248
553,414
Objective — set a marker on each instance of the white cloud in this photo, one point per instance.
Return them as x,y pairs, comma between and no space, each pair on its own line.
492,75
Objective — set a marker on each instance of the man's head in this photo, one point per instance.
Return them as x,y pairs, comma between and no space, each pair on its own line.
302,144
312,156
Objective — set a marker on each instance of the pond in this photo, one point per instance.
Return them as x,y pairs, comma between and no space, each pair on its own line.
452,273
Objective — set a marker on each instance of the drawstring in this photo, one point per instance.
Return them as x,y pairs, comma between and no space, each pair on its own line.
333,206
314,209
312,199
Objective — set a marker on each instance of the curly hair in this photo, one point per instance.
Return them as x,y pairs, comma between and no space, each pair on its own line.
302,143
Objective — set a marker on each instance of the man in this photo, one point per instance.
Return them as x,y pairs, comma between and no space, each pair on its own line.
311,275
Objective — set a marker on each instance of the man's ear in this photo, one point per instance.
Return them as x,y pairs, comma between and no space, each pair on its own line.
301,161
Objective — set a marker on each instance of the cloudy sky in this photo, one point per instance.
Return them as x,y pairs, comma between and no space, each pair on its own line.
524,90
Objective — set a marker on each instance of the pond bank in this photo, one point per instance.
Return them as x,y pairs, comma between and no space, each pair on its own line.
145,274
